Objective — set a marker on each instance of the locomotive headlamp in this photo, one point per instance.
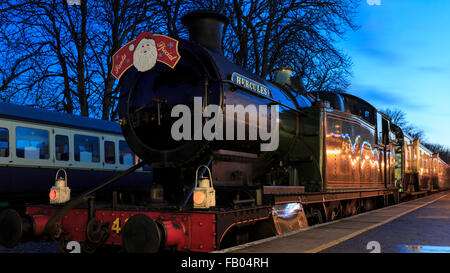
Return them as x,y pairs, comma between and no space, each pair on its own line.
60,192
204,194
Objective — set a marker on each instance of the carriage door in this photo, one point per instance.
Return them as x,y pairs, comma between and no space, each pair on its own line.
399,165
5,147
384,148
6,160
62,148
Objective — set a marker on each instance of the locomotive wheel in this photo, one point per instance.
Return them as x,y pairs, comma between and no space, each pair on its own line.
351,208
141,235
11,228
318,216
333,211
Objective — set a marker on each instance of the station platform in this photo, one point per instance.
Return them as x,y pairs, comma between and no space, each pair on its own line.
346,234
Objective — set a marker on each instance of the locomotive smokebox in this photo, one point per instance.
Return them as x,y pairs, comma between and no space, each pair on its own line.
206,28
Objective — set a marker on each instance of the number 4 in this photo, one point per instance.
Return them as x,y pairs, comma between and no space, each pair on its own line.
116,225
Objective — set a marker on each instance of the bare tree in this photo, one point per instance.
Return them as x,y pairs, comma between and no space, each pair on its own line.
74,45
300,34
60,56
398,117
57,34
117,23
442,150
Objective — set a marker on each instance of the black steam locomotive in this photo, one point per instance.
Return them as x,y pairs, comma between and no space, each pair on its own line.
318,156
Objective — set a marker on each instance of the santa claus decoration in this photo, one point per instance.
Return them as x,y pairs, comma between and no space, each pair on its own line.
144,57
143,53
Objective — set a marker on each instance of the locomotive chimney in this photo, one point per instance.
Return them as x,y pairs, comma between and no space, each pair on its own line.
206,28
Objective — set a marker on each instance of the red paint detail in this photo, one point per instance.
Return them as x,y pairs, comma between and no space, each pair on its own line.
175,235
74,223
183,231
39,223
167,50
119,63
182,228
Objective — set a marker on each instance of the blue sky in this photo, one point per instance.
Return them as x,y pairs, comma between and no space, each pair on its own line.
401,59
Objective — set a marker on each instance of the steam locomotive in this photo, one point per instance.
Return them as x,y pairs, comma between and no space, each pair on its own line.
327,156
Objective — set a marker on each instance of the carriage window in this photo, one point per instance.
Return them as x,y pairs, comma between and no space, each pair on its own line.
366,115
379,129
32,143
110,152
4,142
62,147
126,154
87,148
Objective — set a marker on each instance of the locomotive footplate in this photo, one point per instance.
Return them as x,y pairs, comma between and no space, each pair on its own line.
141,230
235,219
308,198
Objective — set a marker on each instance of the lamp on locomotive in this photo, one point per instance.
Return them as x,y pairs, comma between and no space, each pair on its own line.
204,194
60,192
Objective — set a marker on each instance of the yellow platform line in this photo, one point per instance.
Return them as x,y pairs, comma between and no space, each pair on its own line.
356,233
